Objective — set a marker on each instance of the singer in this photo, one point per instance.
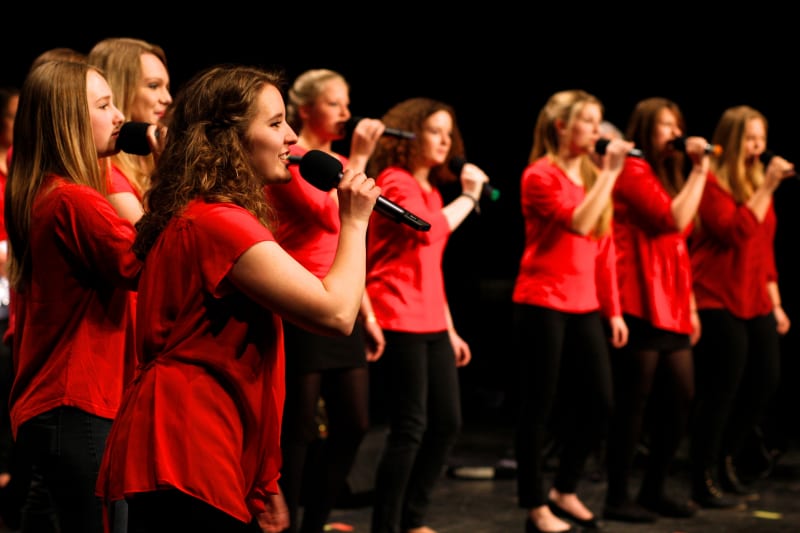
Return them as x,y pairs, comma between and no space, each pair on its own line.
309,230
406,285
654,207
565,290
130,65
735,280
196,443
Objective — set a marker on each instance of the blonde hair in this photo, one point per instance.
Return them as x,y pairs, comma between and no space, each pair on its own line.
120,59
565,106
305,90
52,136
730,168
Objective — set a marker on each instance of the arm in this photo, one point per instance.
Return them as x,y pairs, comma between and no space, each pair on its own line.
587,213
780,315
272,278
685,204
460,346
364,138
375,341
778,170
472,180
127,206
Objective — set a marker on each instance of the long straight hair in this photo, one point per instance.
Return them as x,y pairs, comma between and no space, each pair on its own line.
52,136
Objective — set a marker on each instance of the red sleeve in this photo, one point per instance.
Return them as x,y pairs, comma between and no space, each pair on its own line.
228,231
543,192
401,188
722,217
648,204
607,285
88,225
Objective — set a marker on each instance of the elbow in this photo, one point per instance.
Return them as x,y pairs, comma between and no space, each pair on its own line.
340,324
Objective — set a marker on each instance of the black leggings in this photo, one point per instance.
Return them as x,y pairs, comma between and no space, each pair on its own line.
346,395
169,511
738,370
560,354
649,386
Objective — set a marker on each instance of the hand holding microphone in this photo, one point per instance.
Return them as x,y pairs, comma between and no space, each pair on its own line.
783,169
393,132
324,172
695,145
456,165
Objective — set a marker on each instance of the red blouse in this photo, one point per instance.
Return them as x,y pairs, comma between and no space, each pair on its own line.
560,268
308,220
404,266
653,264
72,319
733,255
212,385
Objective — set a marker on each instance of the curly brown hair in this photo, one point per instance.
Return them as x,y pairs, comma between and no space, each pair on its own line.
206,154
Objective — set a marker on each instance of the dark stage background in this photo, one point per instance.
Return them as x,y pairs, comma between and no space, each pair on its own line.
496,66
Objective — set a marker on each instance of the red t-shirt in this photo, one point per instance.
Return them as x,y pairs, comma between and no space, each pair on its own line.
653,265
204,413
308,219
561,269
404,266
72,319
733,255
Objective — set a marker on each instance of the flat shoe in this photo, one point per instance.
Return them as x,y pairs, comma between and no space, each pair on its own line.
587,523
530,527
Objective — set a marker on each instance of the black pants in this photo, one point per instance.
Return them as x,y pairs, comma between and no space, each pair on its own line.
737,370
565,355
172,511
424,412
64,447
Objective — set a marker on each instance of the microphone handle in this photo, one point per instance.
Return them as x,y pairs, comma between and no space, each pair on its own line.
398,214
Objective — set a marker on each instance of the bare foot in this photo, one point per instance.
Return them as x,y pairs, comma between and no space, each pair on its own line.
569,502
5,478
545,520
423,529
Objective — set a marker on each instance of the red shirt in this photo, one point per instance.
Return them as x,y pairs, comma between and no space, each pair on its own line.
561,269
653,265
733,255
404,266
204,414
117,183
308,220
71,320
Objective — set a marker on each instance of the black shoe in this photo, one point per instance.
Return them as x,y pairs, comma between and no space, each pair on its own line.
590,523
530,527
628,511
729,481
668,507
708,495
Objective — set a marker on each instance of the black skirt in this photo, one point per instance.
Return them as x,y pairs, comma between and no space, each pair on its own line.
642,335
308,352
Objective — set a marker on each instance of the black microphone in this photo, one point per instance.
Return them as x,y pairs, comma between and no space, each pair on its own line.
132,138
680,145
394,132
295,159
324,171
457,163
601,145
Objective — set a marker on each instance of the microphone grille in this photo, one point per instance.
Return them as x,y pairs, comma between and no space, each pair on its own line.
455,164
600,146
320,169
132,138
766,156
679,143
